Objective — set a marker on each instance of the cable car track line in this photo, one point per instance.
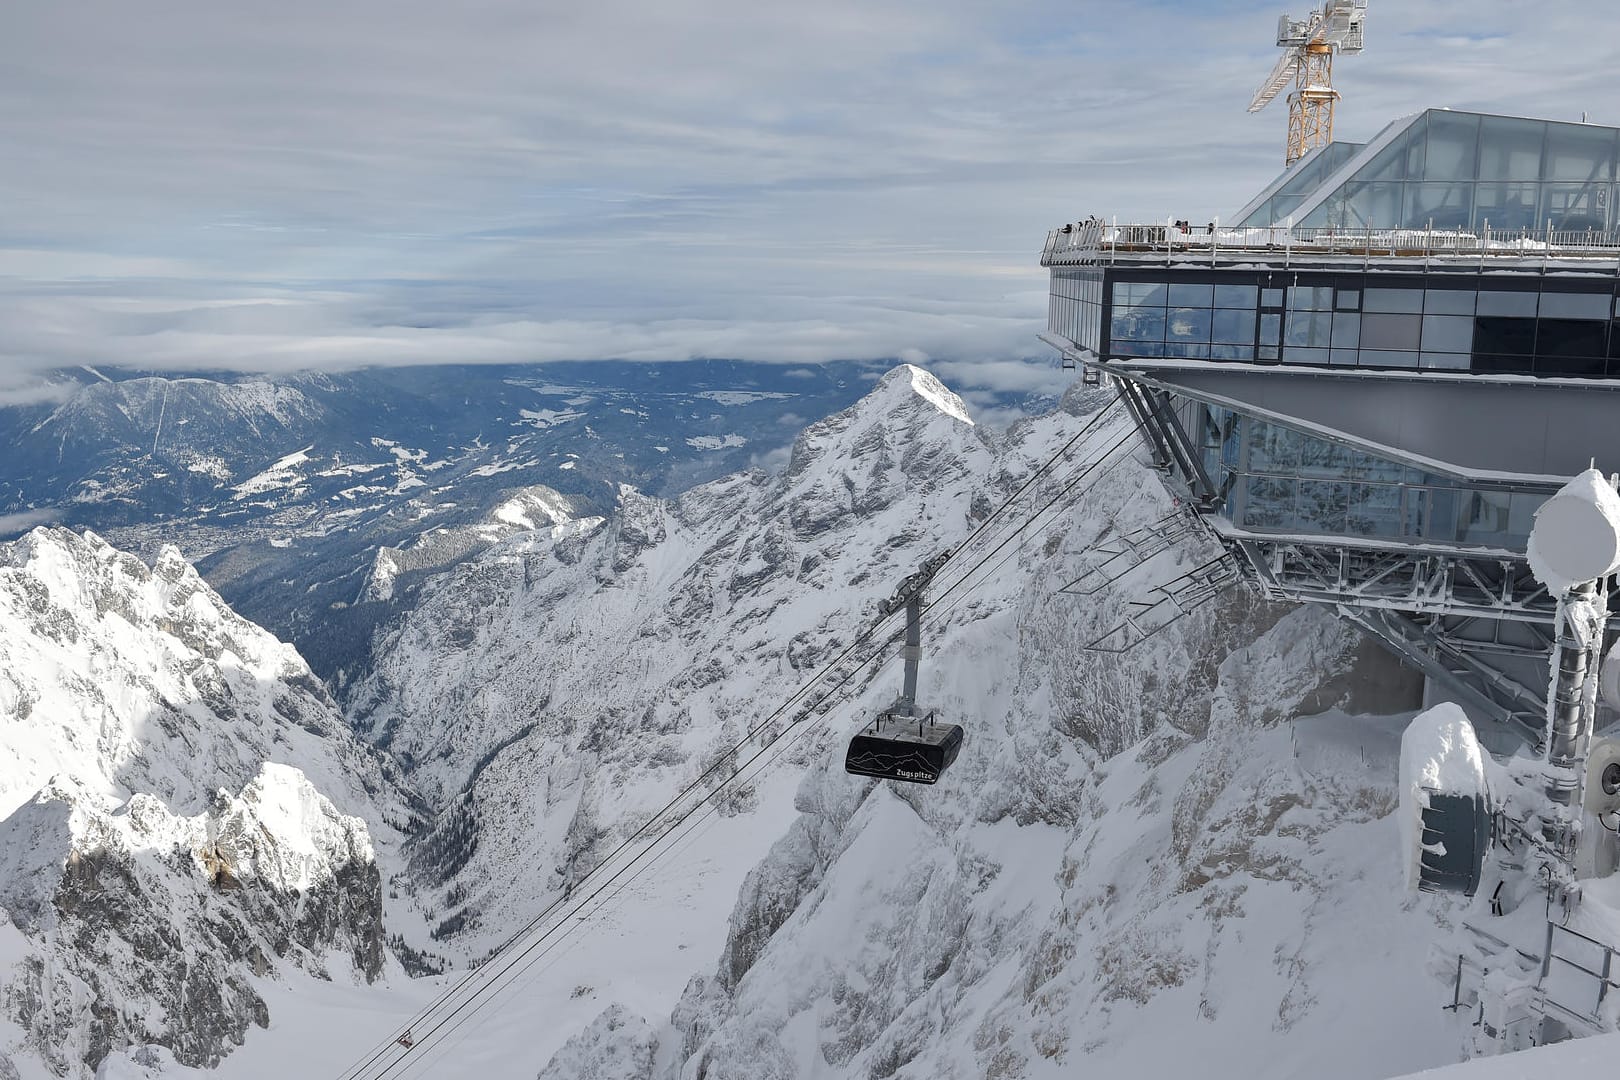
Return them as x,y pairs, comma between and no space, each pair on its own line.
482,979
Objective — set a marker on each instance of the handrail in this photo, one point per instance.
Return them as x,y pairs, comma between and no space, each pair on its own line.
1095,241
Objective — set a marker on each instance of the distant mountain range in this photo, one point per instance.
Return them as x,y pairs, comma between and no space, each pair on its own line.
316,503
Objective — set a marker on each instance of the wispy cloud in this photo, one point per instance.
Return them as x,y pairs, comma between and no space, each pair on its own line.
410,182
12,524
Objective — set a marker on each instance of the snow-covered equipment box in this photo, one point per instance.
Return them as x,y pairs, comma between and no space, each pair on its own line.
1445,804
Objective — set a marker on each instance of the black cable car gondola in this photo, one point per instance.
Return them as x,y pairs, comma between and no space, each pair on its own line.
905,742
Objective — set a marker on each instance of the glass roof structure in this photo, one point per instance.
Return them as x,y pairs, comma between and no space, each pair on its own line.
1442,169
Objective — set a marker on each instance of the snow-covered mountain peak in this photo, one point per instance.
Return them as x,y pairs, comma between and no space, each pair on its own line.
903,383
134,678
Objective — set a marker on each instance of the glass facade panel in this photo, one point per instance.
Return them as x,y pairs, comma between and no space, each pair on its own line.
1311,298
1390,331
1571,337
1576,305
1187,324
1313,328
1137,324
1448,333
1233,326
1506,207
1448,301
1393,300
1371,206
1579,152
1270,329
1348,300
1346,331
1439,206
1191,295
1510,148
1521,304
1237,296
1452,146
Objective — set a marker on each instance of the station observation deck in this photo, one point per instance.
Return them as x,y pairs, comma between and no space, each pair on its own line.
1369,409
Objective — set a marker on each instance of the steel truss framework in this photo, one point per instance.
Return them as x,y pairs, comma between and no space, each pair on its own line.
1476,622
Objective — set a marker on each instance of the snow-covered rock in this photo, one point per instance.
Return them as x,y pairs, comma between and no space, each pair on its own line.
177,815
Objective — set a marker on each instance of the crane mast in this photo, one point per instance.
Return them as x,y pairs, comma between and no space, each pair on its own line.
1311,43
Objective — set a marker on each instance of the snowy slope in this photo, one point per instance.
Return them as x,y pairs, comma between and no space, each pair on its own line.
550,694
183,811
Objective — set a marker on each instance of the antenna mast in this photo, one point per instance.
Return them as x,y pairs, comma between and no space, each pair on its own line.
1308,64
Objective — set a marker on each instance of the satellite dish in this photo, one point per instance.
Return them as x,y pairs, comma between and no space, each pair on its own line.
1576,537
1603,776
1609,677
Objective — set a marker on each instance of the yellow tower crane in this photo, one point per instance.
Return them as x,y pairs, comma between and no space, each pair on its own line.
1308,64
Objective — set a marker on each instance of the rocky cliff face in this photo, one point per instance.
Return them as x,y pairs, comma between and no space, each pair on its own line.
177,814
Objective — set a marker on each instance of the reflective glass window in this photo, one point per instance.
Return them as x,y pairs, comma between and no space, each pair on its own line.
1270,329
1321,505
1273,448
1522,507
1510,148
1300,354
1574,207
1506,336
1448,302
1187,324
1236,296
1372,206
1448,333
1319,457
1390,331
1138,324
1346,330
1393,300
1138,294
1271,298
1269,352
1571,337
1439,206
1191,350
1345,357
1452,143
1576,305
1348,300
1498,364
1575,152
1310,328
1390,162
1311,298
1485,517
1270,502
1373,510
1233,326
1522,304
1191,295
1506,207
1232,352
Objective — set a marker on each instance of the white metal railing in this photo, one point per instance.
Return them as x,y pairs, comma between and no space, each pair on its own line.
1094,241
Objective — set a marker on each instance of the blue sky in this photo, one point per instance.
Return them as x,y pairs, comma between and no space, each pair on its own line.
192,184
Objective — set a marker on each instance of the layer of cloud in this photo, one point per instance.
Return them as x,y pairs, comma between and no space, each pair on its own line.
404,182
